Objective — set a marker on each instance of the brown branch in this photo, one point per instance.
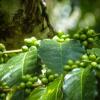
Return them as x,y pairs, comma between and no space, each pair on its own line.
45,15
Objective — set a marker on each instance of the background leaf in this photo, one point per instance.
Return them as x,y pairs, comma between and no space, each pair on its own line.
51,92
55,54
16,67
80,84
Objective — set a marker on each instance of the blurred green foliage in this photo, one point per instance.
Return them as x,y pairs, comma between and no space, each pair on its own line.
25,18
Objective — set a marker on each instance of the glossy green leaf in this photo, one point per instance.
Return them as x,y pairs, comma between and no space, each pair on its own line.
55,54
16,67
80,84
51,92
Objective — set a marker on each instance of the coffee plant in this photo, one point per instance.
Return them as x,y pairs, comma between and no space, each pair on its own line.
65,67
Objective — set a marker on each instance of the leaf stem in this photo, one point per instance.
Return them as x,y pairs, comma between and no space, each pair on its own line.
12,51
14,89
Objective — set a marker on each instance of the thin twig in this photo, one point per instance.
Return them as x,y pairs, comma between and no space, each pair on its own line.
12,51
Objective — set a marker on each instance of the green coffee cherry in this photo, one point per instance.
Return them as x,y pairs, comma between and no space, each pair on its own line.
5,55
76,36
48,72
93,64
60,40
83,37
84,57
60,34
27,91
33,39
34,47
22,85
85,43
90,33
82,64
74,66
25,78
67,68
56,75
24,48
51,78
28,42
77,62
92,57
35,78
90,40
28,76
29,84
44,80
70,62
36,43
42,76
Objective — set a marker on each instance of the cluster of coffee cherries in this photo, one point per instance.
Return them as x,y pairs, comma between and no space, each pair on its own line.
61,37
4,89
27,83
48,76
30,82
85,61
5,55
30,42
86,37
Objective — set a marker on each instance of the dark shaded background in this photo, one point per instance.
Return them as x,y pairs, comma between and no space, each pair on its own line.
24,18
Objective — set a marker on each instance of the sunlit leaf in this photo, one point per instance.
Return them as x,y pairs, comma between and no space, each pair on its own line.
80,84
16,67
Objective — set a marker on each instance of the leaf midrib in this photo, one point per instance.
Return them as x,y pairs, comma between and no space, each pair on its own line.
23,63
60,47
81,82
57,88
